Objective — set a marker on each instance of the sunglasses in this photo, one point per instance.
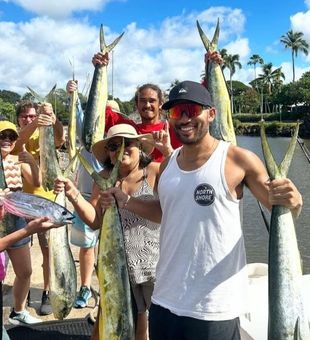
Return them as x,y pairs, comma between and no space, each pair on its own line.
112,147
12,136
24,117
192,110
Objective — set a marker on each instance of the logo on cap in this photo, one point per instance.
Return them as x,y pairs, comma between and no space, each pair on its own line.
182,90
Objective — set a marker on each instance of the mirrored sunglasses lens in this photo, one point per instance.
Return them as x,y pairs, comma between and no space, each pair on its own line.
191,110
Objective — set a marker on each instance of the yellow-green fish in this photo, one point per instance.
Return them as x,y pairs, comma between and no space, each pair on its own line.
115,309
222,126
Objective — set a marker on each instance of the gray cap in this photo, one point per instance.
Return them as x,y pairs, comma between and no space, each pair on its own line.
188,91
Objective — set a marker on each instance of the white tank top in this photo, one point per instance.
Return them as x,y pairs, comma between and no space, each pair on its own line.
201,271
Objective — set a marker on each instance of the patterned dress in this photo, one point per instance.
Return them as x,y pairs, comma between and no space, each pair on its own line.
141,239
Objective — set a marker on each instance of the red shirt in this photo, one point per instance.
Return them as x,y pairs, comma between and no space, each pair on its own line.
113,118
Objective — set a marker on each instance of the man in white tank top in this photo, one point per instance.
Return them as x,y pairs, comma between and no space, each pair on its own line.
201,278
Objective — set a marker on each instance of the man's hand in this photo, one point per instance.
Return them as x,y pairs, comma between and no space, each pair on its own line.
101,59
25,157
214,57
46,115
162,140
284,192
72,85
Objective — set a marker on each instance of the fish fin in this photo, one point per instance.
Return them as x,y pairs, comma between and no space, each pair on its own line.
209,46
285,164
297,335
114,173
72,65
206,42
271,165
49,97
103,46
72,163
101,39
216,34
36,96
100,181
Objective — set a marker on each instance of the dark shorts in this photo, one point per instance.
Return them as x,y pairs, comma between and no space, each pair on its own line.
19,223
164,325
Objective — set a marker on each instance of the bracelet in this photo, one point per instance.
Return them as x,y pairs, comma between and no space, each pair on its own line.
76,198
127,200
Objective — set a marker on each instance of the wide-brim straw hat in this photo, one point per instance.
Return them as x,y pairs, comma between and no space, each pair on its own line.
122,130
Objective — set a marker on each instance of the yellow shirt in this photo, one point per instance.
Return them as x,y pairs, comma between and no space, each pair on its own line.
33,147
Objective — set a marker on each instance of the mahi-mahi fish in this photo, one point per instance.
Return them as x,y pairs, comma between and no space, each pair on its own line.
72,126
222,126
115,309
62,270
287,317
94,116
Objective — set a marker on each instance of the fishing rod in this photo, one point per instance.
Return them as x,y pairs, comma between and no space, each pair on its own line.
304,148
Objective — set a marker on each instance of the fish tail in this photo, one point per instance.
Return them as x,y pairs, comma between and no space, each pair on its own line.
285,164
271,165
101,182
209,45
103,46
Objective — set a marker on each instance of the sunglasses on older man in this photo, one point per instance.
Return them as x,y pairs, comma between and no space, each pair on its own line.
112,146
191,110
12,136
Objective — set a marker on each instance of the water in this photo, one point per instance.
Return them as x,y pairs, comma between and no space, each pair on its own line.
255,233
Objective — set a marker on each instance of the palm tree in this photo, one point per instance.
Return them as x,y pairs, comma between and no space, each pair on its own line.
296,43
231,61
224,54
255,59
269,79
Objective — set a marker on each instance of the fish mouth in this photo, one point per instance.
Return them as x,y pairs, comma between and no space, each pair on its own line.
69,220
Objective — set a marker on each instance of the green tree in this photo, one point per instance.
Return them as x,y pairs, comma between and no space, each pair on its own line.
296,43
304,88
250,100
224,54
255,59
7,111
9,96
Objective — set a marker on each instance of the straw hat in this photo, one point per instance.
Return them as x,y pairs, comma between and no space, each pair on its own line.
126,131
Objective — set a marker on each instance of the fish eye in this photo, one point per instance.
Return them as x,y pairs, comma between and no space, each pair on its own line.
64,213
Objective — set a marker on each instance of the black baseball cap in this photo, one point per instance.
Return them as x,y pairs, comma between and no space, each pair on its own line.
188,91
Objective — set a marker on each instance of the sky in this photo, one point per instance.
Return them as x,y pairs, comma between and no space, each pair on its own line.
43,41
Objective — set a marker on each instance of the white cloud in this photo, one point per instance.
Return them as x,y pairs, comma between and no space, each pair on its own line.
300,23
37,52
288,71
59,8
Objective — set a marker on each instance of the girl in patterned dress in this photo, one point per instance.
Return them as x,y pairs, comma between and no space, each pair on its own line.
17,168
